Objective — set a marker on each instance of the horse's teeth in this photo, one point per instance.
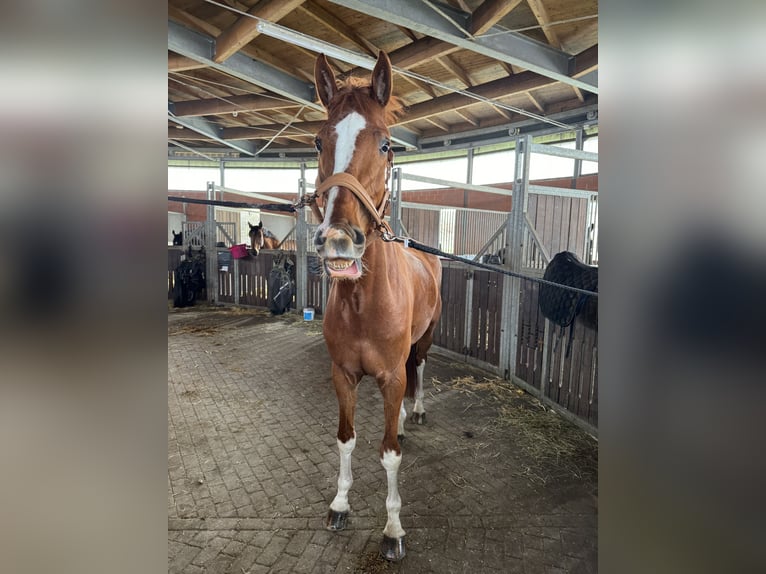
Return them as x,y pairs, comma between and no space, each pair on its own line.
339,266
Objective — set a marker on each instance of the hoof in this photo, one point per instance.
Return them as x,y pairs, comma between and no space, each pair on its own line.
392,549
418,418
336,520
400,438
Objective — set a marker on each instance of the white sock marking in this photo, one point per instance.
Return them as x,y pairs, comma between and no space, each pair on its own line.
345,478
418,408
391,462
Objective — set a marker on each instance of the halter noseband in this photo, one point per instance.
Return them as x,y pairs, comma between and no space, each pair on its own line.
350,182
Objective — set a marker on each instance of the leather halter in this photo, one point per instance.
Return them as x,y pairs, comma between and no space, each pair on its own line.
350,182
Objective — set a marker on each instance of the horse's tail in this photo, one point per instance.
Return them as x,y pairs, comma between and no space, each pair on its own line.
412,373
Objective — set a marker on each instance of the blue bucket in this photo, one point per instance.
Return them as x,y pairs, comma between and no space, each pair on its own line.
308,313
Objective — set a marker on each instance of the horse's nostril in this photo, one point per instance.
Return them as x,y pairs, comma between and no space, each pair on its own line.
358,236
319,239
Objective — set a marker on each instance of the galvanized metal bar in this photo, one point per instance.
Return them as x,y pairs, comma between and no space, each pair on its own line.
432,206
301,239
467,331
559,151
561,191
497,43
537,239
579,147
271,198
457,184
396,201
211,253
491,240
201,47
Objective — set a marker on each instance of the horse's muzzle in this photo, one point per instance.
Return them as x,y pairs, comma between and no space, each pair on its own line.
341,248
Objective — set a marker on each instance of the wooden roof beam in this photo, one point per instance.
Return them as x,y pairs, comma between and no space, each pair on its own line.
534,101
467,117
511,47
245,28
229,104
338,26
490,13
178,63
542,17
456,69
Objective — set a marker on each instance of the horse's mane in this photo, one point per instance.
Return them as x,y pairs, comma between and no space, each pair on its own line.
357,93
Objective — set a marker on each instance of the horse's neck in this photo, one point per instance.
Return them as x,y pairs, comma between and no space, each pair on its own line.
378,278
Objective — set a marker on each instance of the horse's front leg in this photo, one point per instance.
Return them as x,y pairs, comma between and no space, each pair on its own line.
392,387
345,389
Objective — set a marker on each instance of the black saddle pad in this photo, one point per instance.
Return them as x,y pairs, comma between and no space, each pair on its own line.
561,306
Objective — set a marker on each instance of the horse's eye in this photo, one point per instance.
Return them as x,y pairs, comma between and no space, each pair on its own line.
318,144
385,146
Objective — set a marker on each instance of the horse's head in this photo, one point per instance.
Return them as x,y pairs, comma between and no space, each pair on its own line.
178,238
256,237
354,148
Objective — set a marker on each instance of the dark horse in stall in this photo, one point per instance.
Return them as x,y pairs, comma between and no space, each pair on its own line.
384,300
178,238
261,238
563,306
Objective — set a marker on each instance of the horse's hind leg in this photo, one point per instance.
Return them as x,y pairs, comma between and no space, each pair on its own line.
392,388
421,351
345,389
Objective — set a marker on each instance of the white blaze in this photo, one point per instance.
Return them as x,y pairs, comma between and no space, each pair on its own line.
347,131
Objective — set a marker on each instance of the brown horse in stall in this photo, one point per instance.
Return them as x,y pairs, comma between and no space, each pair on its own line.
260,238
385,299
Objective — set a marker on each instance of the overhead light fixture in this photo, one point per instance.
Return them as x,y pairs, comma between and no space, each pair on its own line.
315,44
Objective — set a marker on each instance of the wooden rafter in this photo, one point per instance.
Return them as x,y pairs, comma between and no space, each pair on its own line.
244,30
541,15
178,63
489,13
246,103
441,125
534,101
467,117
578,93
338,26
450,64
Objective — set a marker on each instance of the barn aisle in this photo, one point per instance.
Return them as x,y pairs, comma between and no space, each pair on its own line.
492,483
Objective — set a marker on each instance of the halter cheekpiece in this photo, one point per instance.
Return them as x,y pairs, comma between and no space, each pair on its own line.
350,182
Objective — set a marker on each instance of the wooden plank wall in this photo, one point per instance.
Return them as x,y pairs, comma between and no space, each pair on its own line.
572,381
422,224
314,295
487,305
450,330
474,228
560,222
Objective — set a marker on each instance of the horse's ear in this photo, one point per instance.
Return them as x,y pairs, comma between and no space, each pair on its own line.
251,225
324,79
381,79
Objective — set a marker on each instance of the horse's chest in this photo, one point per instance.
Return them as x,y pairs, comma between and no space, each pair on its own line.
360,346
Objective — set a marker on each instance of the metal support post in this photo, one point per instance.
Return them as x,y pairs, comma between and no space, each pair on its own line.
301,232
514,244
211,253
396,201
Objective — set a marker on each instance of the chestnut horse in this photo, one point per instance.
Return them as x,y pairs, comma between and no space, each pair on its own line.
384,300
260,238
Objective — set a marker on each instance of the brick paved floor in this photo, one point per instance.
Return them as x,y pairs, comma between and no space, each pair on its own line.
252,465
